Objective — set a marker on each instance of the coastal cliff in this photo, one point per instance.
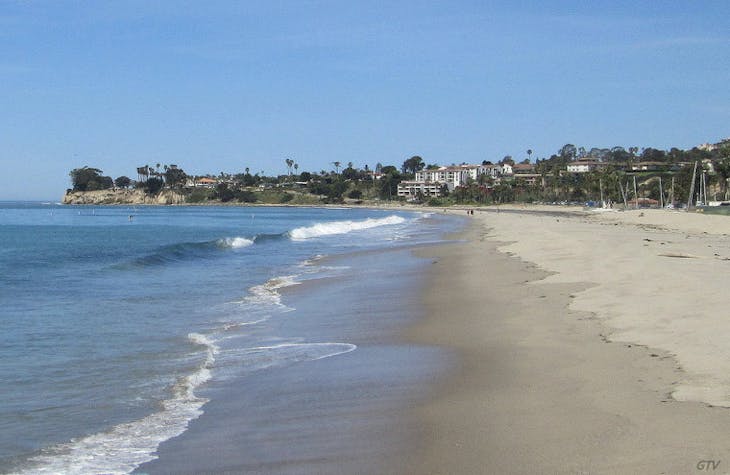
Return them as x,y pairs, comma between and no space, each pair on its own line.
122,197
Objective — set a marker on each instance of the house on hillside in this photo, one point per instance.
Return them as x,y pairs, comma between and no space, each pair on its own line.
648,166
583,165
203,182
523,168
411,190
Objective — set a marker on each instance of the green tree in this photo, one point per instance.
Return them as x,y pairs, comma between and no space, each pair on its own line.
175,177
350,173
389,183
89,179
388,169
153,185
722,167
618,155
223,193
568,152
123,182
413,164
245,196
653,155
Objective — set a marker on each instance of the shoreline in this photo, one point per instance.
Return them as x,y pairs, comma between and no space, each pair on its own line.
542,385
340,414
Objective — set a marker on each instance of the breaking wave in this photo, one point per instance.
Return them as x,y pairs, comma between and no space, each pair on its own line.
341,227
126,446
185,251
235,242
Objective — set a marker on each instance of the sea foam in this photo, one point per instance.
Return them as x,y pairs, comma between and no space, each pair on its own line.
126,446
267,293
235,242
341,227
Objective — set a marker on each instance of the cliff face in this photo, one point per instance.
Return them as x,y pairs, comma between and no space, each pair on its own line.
122,197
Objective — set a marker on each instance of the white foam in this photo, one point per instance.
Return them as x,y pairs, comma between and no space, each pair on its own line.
267,293
311,351
312,261
283,354
128,445
341,227
235,242
228,326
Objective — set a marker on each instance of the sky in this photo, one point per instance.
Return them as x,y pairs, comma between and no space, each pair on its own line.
220,86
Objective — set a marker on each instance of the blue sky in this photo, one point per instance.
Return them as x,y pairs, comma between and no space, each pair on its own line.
220,86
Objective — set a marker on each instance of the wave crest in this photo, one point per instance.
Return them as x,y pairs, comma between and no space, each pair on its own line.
235,242
341,227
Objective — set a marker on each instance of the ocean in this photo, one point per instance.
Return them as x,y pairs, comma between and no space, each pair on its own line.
122,327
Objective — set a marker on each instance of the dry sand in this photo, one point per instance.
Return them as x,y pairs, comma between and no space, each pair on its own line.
589,343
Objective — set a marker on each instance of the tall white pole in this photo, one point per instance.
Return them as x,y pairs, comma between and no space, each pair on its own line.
661,194
692,187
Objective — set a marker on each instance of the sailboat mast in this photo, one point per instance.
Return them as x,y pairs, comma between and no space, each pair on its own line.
692,187
661,194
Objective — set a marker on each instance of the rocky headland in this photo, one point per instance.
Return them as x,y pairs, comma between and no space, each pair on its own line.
122,197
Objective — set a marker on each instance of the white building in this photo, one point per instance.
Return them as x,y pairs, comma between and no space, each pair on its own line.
457,175
583,166
414,189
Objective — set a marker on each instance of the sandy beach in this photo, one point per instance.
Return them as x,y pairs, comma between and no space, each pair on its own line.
538,340
589,343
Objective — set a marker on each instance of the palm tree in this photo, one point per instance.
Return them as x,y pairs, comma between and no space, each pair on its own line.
529,153
337,167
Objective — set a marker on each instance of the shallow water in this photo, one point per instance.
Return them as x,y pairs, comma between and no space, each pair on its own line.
120,324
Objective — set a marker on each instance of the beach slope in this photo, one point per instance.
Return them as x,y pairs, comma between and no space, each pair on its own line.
578,349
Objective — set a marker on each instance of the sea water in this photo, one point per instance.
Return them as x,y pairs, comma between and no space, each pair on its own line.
118,321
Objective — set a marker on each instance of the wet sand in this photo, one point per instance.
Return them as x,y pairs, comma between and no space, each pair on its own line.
571,346
338,415
543,385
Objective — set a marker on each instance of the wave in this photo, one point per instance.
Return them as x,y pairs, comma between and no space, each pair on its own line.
128,445
341,227
267,293
184,251
235,242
